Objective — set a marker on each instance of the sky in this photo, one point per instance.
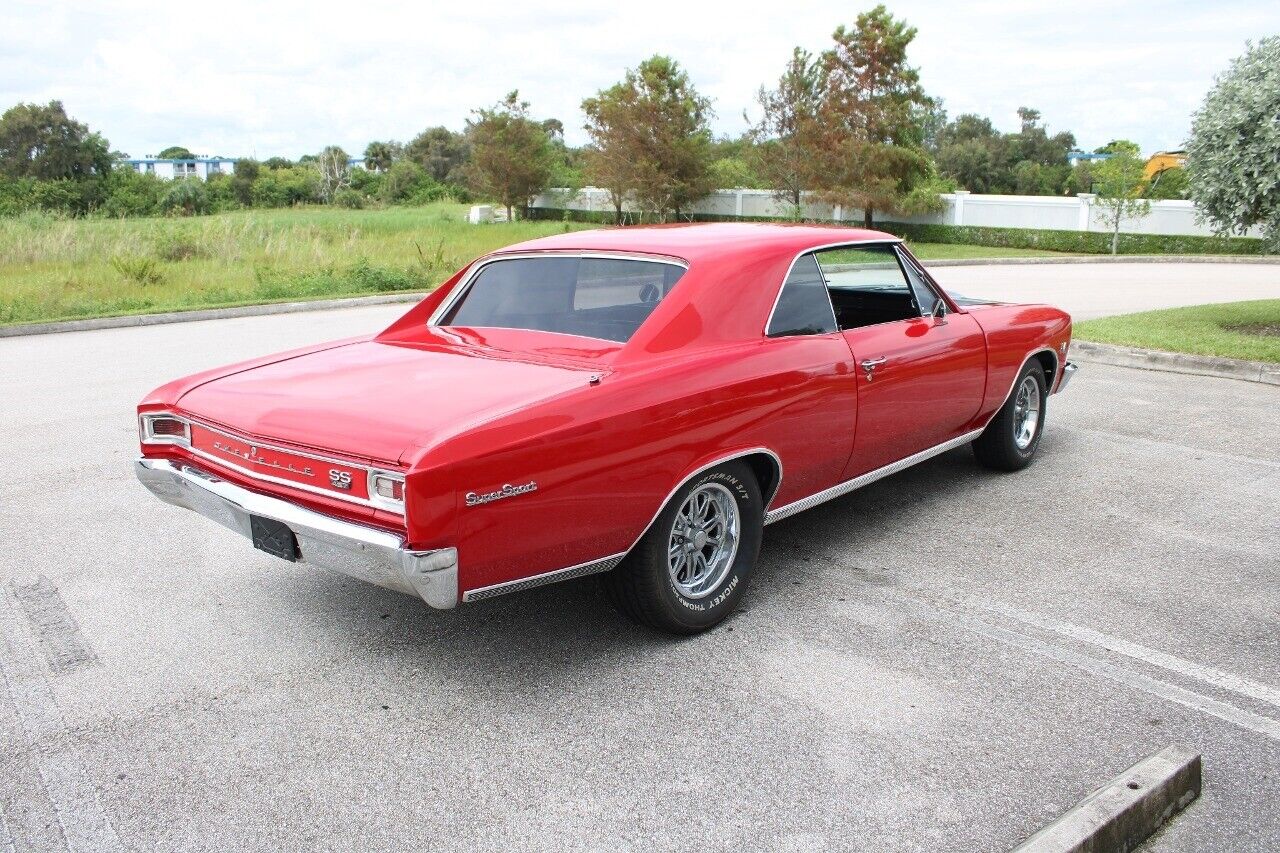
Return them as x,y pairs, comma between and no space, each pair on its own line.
284,78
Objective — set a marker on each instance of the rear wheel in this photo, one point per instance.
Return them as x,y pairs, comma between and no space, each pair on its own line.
690,569
1010,441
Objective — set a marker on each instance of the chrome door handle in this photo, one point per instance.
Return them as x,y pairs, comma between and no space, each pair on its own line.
870,364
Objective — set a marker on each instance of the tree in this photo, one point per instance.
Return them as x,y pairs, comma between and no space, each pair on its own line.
43,142
869,151
1118,183
176,152
440,151
511,156
651,138
334,167
785,135
1168,183
378,156
1120,146
246,172
983,160
1233,157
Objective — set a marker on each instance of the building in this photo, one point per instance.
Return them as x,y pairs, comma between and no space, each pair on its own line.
1076,157
198,167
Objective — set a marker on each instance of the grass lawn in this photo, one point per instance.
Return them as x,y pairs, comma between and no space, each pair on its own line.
56,269
1247,330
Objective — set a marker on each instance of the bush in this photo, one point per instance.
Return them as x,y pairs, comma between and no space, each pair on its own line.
178,245
286,187
140,269
349,197
131,193
187,196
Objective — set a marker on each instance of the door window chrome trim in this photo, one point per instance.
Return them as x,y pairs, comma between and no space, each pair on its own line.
884,241
397,509
461,288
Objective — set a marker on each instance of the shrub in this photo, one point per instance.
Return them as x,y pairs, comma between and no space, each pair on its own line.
178,245
349,197
188,196
285,187
139,269
131,193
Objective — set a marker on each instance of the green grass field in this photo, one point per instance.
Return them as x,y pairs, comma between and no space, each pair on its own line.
1246,330
59,269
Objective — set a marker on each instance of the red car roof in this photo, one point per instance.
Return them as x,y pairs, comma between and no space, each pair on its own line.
692,241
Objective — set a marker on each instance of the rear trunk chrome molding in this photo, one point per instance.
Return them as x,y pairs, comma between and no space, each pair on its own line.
366,553
858,482
581,570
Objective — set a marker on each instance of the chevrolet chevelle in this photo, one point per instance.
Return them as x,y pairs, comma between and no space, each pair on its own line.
635,402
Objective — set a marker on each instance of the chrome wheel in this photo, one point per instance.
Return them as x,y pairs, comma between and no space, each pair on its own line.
1026,413
703,541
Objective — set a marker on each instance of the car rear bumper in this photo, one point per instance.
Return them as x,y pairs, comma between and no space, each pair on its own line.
1068,371
362,552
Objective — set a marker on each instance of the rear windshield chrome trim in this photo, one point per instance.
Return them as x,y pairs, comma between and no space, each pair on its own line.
463,286
370,470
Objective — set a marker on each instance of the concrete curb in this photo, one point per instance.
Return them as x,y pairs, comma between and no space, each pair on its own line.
1104,259
203,314
1176,362
1127,810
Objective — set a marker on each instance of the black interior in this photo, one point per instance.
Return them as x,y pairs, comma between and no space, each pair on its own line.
857,307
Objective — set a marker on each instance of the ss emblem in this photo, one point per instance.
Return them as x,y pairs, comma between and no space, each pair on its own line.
339,479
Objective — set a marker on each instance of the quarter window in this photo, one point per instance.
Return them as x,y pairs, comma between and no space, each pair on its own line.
803,305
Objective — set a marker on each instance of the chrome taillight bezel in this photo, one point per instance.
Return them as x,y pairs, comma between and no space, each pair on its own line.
378,500
148,435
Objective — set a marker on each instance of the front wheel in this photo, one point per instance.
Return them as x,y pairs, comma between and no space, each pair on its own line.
690,568
1009,442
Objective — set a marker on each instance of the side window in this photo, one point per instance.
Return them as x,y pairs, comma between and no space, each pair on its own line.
803,306
867,285
924,294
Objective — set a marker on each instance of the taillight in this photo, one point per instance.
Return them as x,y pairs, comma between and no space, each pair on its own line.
387,490
164,428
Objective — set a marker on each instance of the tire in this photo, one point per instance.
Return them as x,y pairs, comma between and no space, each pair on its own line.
1004,445
673,593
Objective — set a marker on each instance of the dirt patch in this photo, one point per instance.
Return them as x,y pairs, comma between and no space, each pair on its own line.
1264,330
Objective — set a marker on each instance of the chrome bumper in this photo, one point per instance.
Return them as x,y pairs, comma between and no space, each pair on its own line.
1068,371
366,553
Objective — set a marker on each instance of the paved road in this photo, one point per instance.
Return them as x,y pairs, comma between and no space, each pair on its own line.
944,660
1096,290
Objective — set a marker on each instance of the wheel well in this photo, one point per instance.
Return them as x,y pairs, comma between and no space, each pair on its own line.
1049,362
768,475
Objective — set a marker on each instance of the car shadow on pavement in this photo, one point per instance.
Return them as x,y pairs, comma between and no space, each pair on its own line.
570,620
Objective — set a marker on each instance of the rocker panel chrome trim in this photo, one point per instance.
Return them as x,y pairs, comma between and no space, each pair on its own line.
581,570
861,480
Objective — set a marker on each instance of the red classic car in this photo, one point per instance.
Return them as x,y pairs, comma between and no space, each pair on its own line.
637,402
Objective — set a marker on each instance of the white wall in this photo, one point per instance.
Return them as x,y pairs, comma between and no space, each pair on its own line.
1063,213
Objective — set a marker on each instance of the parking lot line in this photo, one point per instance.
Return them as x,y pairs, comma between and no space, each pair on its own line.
1210,675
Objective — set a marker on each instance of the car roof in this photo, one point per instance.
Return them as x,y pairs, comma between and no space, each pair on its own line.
695,241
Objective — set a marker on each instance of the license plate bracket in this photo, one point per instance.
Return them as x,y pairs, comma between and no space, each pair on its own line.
274,537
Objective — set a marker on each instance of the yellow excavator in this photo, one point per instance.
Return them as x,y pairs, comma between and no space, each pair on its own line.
1162,161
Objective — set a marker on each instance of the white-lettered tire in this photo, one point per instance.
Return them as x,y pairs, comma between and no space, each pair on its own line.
691,567
1010,441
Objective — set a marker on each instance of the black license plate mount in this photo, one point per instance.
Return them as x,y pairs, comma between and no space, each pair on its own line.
274,537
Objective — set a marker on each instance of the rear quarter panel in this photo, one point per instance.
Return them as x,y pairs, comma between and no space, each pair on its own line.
606,457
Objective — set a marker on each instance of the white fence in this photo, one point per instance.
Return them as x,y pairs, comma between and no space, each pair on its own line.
1062,213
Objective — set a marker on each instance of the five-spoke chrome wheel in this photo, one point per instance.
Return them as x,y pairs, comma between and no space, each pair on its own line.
1026,412
704,540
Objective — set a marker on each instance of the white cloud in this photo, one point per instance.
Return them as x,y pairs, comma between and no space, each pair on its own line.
288,78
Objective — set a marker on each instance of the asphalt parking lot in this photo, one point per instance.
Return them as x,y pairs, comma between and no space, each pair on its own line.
944,660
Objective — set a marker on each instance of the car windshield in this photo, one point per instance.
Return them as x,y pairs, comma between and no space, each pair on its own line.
591,297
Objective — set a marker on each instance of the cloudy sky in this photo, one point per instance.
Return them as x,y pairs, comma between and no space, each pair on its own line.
282,78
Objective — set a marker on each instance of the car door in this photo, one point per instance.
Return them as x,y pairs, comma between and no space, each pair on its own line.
920,378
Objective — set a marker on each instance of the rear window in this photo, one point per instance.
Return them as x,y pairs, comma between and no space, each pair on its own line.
604,298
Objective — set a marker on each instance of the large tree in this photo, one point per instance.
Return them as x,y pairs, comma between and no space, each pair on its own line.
511,156
869,152
44,142
651,138
378,156
441,151
334,166
1233,157
176,152
786,133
